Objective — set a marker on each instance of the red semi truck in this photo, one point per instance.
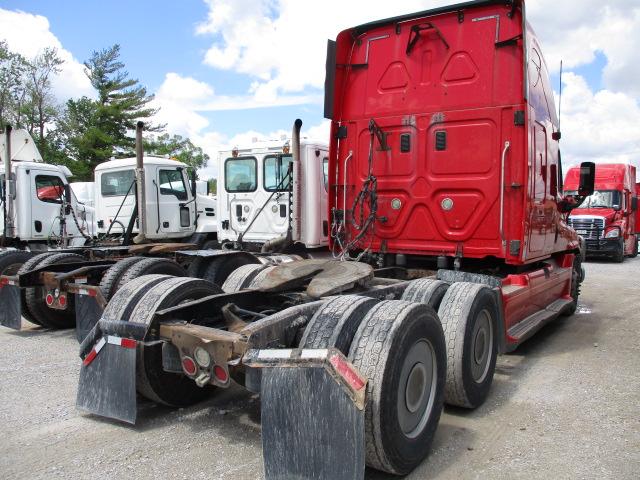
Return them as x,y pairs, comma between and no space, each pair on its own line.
444,153
607,219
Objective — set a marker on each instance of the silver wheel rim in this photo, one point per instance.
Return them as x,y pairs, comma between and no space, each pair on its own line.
417,388
481,346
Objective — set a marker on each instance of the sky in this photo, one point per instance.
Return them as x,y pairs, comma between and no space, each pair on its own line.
226,72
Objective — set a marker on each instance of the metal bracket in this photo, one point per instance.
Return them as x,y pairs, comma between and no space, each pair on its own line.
414,36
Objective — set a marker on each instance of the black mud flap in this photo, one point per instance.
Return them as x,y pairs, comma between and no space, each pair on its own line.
10,307
88,312
107,384
312,414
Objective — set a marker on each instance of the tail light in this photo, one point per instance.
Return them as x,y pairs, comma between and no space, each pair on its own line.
49,299
189,366
62,300
221,374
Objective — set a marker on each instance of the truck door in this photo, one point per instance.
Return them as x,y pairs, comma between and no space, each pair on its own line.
538,222
47,193
175,212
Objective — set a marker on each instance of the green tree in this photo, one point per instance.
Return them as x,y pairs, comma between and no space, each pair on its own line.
40,108
178,148
96,130
213,186
13,86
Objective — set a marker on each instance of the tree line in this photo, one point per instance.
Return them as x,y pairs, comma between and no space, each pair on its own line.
84,132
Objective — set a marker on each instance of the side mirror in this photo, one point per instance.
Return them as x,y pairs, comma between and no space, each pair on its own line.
193,184
617,208
587,179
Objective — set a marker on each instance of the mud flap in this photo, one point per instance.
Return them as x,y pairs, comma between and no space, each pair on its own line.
10,307
312,414
107,385
88,312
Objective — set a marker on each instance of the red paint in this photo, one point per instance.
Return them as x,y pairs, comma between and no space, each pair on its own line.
345,370
90,357
471,92
4,281
128,343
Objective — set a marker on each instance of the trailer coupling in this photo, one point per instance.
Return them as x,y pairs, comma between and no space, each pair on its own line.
312,414
107,385
10,302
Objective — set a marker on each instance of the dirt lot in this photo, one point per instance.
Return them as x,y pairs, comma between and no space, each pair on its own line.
564,405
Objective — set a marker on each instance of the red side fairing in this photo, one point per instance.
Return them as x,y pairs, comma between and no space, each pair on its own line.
438,195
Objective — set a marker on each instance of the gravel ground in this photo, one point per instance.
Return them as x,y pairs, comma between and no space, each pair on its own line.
564,405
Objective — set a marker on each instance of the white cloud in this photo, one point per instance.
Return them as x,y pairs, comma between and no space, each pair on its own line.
574,31
29,35
600,127
284,47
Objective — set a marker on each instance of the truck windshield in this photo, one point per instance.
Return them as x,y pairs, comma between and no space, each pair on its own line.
600,199
276,168
240,174
115,184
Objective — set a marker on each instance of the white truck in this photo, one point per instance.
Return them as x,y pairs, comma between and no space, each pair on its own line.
174,210
39,209
262,211
261,208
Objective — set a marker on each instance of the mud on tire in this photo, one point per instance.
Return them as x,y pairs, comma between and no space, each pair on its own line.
149,266
109,281
426,290
469,314
335,323
31,264
400,348
35,297
175,390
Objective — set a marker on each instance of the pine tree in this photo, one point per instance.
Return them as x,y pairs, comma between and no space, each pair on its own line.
102,128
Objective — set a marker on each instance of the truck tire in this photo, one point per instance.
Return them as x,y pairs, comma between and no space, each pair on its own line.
576,278
126,298
335,323
109,282
218,271
12,260
241,277
35,297
171,389
257,281
634,252
400,348
150,266
29,265
469,314
618,257
426,290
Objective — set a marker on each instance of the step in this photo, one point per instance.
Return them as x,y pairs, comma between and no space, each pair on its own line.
530,325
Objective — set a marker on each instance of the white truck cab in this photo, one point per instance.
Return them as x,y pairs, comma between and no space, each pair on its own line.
254,204
171,209
37,201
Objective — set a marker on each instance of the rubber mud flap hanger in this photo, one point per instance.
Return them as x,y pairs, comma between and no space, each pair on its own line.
312,414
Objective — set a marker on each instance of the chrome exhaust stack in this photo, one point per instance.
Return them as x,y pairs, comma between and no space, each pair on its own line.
140,187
